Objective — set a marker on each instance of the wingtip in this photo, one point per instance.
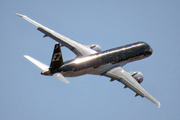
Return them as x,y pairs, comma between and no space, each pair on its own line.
159,105
25,56
19,15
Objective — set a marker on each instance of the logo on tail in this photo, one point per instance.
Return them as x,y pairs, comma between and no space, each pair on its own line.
57,60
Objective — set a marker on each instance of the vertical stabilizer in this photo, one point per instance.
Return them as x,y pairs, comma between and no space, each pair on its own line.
57,60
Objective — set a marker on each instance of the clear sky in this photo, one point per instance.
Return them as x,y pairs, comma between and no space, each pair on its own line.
27,95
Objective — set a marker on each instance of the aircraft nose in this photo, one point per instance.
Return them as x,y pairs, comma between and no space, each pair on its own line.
148,52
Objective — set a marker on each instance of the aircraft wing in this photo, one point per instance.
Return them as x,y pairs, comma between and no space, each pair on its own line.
78,48
124,77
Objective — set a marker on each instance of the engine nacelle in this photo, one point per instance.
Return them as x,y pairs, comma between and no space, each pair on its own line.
95,47
138,76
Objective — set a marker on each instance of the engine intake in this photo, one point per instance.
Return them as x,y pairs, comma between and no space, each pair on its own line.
138,76
95,47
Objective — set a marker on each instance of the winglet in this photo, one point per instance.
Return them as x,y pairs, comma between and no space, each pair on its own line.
19,15
159,105
30,20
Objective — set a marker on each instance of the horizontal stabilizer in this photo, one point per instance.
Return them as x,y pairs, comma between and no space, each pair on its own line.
61,78
37,63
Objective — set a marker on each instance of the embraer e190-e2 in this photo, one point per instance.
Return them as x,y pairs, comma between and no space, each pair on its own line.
91,60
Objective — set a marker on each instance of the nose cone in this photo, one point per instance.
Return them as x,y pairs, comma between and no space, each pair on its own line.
148,52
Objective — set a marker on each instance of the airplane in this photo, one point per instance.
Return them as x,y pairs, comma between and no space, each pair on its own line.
90,59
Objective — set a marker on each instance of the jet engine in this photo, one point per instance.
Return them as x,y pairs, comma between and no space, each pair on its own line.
95,47
138,76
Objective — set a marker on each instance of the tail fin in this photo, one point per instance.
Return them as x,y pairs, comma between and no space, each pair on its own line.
57,60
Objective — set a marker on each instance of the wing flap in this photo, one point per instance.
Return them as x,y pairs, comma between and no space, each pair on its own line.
124,77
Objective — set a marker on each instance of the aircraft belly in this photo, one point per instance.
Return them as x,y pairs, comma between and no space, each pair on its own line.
95,71
104,68
72,73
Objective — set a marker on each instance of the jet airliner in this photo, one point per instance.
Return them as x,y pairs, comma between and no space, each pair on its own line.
90,59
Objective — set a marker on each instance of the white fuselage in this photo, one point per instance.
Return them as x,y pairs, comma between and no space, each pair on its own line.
102,62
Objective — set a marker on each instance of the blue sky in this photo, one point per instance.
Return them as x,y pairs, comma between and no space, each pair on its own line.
27,95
